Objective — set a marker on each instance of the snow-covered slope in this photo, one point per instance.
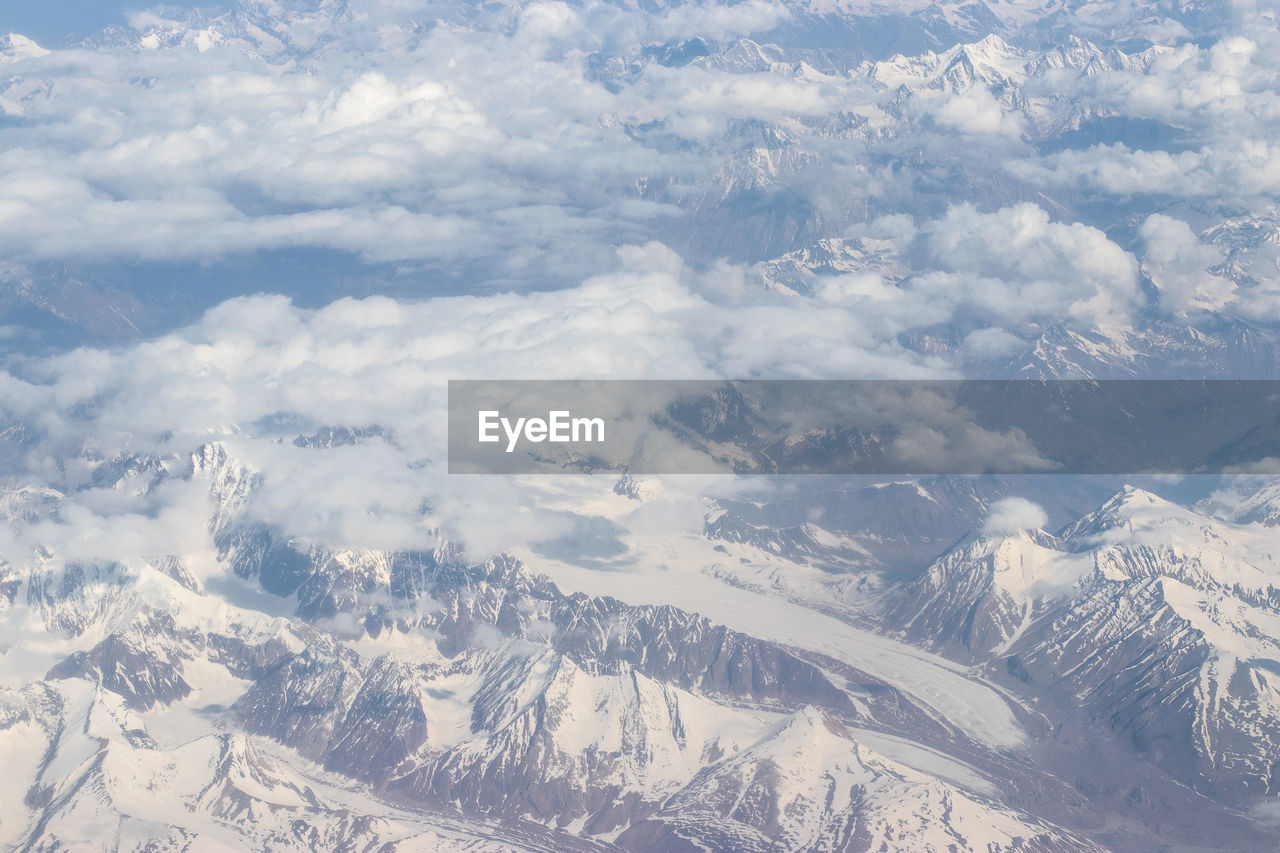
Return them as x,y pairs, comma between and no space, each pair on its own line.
984,592
363,698
1153,620
195,655
809,785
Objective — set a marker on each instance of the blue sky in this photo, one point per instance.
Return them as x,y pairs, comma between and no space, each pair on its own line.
55,22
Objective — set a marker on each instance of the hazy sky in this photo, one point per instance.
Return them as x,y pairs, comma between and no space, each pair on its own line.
55,22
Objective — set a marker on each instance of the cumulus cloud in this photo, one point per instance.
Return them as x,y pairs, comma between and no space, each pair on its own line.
235,375
515,145
487,137
1179,263
1012,515
1008,269
257,371
1120,171
992,342
1239,170
976,111
1017,264
436,151
531,140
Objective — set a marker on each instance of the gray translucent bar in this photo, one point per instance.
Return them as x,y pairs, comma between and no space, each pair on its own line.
881,427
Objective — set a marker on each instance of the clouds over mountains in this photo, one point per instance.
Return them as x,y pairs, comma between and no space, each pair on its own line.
518,146
242,253
590,190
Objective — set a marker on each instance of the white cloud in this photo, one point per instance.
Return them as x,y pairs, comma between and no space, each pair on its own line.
542,20
524,141
1016,264
975,110
502,141
1117,170
423,153
387,362
372,138
1179,263
1012,515
721,21
992,342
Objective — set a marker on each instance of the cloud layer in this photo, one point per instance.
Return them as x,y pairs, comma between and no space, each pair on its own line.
518,145
590,190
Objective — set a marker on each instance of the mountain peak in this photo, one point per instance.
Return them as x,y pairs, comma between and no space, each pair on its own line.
1130,495
1130,507
1130,501
992,43
14,46
809,724
1262,507
1023,564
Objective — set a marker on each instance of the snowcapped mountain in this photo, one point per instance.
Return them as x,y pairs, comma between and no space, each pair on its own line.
1261,507
214,636
14,47
358,698
805,270
771,796
984,592
103,771
280,32
1146,617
